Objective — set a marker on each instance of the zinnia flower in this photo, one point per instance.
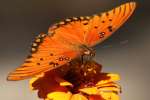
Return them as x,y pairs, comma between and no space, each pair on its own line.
76,81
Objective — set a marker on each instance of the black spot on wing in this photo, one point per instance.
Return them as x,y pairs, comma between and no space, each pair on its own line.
95,27
53,64
38,64
28,61
110,20
110,28
41,59
103,21
51,54
85,23
107,14
29,56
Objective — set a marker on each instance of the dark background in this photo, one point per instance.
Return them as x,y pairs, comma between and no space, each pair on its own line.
125,53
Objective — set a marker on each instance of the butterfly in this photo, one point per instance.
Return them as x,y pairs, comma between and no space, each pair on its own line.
69,39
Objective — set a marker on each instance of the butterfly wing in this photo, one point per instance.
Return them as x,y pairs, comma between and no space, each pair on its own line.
103,25
51,53
63,42
90,30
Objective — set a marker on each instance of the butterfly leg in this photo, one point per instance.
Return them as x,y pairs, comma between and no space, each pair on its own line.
82,59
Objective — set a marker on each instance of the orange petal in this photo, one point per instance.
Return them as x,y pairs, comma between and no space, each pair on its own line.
78,97
66,84
34,79
59,96
95,97
110,96
112,84
113,77
110,89
63,82
90,90
47,84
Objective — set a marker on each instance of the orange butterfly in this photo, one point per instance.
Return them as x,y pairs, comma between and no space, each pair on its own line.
70,39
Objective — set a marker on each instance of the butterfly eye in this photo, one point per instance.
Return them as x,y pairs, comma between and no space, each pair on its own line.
87,52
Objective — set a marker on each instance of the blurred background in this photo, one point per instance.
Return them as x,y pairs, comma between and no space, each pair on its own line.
125,53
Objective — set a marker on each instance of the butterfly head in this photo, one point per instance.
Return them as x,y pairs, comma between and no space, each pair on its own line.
88,51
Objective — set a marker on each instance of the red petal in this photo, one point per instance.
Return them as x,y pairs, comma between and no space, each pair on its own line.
48,84
95,97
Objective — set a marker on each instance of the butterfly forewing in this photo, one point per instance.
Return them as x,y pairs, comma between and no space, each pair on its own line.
103,25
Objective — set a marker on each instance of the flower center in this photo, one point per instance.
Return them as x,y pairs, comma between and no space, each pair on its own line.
82,74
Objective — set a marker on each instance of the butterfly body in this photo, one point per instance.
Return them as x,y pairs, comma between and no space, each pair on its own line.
70,39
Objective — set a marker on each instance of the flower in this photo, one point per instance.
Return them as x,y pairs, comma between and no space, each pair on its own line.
77,81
